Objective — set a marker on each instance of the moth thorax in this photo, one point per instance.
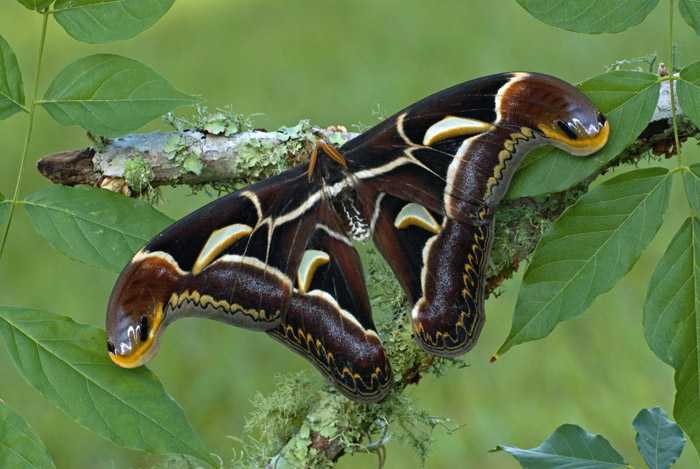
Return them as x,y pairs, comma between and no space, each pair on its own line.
358,227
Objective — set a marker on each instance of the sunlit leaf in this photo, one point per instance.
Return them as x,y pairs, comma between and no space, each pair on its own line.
95,226
37,5
658,438
671,321
570,446
98,21
11,86
592,246
689,92
590,16
628,99
110,95
690,11
20,447
67,362
691,181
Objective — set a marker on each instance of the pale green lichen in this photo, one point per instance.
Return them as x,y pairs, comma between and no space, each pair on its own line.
185,152
261,158
138,174
224,121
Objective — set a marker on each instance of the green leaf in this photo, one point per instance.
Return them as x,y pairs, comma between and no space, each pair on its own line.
67,362
689,92
20,447
658,438
690,11
11,86
99,21
628,99
592,246
691,181
37,5
671,321
590,16
569,446
110,95
94,226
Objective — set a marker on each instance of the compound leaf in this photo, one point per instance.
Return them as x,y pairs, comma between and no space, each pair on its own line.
11,86
689,92
658,438
110,95
592,246
67,362
570,446
691,182
99,21
671,318
94,226
20,447
36,5
690,11
590,16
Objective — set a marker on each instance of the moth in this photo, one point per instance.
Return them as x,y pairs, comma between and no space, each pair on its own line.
279,256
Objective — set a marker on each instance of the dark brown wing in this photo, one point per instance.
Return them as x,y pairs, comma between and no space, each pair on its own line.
329,320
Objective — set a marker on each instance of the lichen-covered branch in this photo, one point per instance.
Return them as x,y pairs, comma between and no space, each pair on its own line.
217,150
306,424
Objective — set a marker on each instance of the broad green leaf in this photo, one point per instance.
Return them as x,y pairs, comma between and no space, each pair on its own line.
11,86
691,181
110,95
592,246
37,5
67,362
95,226
628,99
689,92
20,447
671,321
658,438
690,11
570,446
590,16
98,21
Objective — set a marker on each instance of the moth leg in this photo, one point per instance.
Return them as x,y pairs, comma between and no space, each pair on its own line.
448,318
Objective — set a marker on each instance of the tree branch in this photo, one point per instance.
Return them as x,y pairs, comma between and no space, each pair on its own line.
322,425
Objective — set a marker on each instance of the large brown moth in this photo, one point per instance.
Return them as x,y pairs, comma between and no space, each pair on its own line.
424,185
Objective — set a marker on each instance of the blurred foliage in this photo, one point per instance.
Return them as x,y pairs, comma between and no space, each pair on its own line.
334,62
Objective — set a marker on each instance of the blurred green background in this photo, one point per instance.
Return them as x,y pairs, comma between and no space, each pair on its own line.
335,62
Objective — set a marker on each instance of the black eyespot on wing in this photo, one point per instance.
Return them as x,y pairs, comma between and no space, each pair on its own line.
601,119
143,330
110,347
568,131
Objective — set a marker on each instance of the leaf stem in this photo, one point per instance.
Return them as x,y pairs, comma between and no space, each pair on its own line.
671,84
28,137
